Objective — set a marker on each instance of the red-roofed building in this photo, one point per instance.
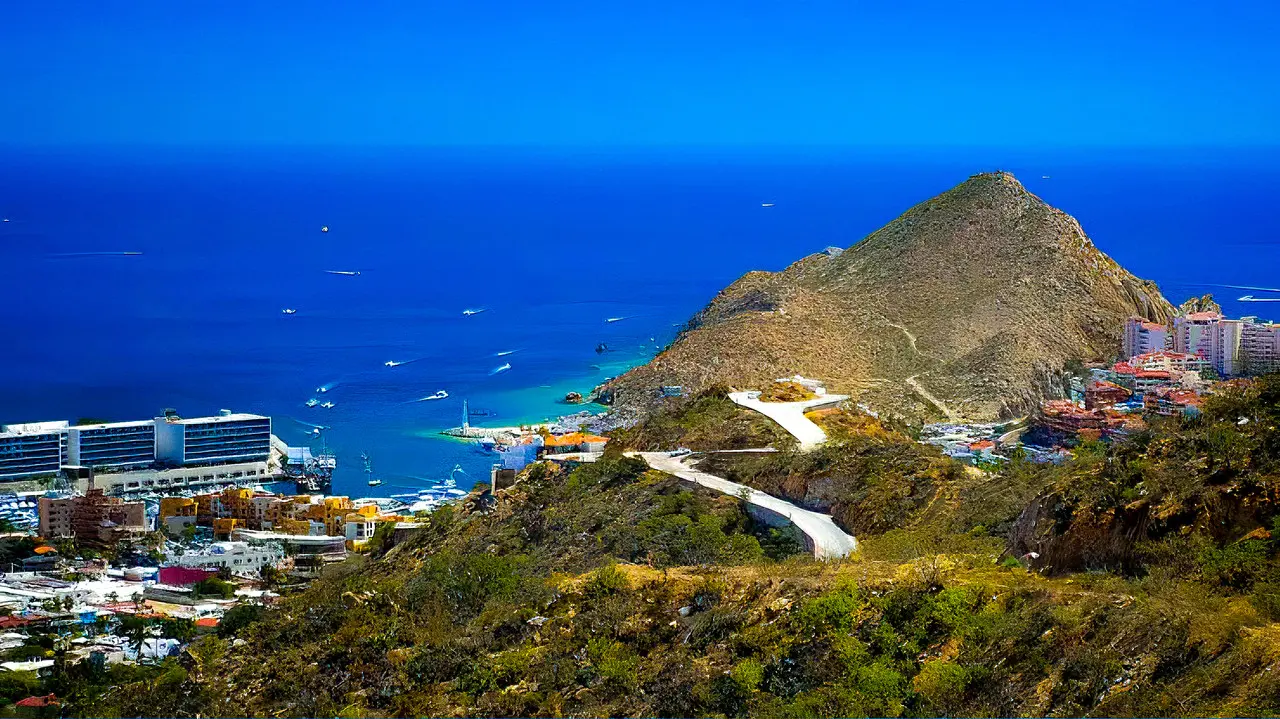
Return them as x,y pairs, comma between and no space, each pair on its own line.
1101,394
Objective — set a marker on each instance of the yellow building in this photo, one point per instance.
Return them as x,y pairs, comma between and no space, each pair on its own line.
224,526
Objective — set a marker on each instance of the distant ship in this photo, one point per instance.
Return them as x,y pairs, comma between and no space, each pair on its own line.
313,402
289,311
322,389
368,470
469,312
766,204
324,229
503,353
392,363
328,405
615,319
347,273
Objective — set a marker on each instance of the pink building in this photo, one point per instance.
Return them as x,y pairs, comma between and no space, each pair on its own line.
1142,336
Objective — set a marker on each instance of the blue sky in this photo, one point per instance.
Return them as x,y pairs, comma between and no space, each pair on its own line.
547,73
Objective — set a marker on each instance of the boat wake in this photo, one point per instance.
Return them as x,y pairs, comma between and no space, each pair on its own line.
438,395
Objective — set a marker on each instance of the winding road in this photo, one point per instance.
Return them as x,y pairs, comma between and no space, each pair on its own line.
790,415
825,539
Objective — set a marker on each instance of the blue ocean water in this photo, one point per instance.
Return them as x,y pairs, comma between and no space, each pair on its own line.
549,245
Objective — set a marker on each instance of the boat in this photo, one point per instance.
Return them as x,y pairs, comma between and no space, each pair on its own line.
440,394
615,319
346,273
602,348
313,402
392,363
1044,177
469,312
504,353
375,482
324,229
502,368
766,204
322,389
327,405
288,311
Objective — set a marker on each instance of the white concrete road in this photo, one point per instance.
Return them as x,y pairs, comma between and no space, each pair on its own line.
828,540
790,415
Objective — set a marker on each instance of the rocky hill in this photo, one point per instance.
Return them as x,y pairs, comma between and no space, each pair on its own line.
968,305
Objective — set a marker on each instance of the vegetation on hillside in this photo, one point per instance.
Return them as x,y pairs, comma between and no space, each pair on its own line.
707,421
612,590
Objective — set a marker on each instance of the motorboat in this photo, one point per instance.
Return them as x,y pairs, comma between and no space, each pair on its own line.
469,312
288,311
375,482
345,273
502,368
438,395
766,204
324,229
327,405
392,363
313,402
614,319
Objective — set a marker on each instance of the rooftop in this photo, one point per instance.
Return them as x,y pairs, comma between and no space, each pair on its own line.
236,417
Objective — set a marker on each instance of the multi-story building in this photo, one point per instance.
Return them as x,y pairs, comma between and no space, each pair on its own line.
176,514
1232,347
94,519
1166,361
32,450
225,439
116,446
1142,336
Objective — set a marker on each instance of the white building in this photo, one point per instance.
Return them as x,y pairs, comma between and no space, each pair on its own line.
1232,347
239,557
1142,337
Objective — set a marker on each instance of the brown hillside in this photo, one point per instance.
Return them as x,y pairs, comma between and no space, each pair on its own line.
967,305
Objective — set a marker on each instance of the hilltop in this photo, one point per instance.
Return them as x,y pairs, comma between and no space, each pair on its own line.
968,305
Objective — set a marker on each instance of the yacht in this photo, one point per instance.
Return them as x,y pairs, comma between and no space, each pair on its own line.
313,402
392,363
469,312
503,368
375,482
288,311
346,273
438,395
327,405
766,204
324,229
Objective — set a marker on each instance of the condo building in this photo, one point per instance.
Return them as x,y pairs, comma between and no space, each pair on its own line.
162,452
1142,336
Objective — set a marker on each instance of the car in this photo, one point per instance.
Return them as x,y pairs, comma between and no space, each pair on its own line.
681,451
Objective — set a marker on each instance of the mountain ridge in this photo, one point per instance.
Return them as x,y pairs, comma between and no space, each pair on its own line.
966,306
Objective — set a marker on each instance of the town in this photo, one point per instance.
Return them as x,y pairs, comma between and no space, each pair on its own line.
1164,370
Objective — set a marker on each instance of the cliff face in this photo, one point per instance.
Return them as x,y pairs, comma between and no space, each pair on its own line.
966,306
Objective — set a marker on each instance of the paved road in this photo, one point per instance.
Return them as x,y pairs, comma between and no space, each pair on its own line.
828,540
791,415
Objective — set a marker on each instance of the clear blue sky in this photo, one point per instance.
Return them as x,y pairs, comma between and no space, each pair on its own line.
604,73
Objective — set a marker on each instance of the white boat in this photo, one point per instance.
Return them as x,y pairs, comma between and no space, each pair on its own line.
392,363
503,368
322,389
615,319
469,312
504,353
324,229
313,402
327,405
288,311
345,273
375,482
766,204
438,395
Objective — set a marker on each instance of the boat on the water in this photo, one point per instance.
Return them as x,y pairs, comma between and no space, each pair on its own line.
438,395
288,311
328,405
324,229
766,204
502,368
347,273
313,402
392,363
468,312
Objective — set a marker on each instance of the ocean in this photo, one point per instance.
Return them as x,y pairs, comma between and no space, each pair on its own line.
550,245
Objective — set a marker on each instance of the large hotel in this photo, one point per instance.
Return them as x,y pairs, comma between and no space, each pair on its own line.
166,452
